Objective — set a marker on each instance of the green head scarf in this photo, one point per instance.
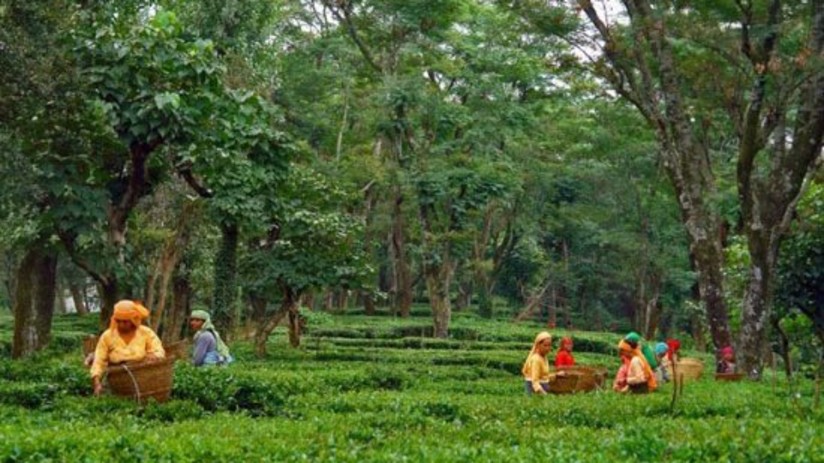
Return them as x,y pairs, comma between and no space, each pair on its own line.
633,337
222,348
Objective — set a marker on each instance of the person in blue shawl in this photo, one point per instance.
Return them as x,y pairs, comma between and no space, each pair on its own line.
209,348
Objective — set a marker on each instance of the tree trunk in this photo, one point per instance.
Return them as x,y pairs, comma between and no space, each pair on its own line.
755,313
648,305
343,300
368,303
175,319
34,300
654,87
438,279
308,300
167,263
9,270
370,200
768,202
109,295
402,275
464,299
264,330
784,342
485,308
329,301
60,300
78,299
296,324
259,306
223,299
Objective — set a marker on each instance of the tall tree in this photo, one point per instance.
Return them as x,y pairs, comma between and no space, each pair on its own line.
639,61
656,58
44,136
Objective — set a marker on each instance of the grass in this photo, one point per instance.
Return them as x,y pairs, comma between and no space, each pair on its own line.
369,389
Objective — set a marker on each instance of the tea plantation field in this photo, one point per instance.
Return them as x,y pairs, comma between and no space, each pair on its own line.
375,389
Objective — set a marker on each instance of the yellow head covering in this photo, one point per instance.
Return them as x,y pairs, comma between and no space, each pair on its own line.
133,311
538,339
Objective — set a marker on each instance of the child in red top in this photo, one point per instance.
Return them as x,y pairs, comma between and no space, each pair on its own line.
564,356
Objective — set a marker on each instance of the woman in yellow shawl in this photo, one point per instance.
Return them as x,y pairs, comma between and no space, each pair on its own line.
536,368
126,340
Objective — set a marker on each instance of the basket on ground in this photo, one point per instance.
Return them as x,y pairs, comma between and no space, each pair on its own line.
578,378
689,368
142,380
729,376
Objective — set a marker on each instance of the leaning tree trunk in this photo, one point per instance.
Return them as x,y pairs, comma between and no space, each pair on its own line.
34,300
289,306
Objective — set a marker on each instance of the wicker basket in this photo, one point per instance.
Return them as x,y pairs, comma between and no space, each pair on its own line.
178,350
689,368
729,376
142,380
578,378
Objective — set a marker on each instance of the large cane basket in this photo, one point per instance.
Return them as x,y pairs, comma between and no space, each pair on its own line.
143,380
689,368
578,378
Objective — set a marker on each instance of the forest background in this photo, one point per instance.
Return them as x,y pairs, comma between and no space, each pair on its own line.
658,169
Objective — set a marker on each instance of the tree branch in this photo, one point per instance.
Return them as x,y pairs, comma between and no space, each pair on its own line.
69,244
344,15
753,138
185,172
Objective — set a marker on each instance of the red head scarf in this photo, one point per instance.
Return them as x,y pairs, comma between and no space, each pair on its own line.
673,345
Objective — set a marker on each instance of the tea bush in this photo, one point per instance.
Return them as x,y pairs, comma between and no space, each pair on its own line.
382,393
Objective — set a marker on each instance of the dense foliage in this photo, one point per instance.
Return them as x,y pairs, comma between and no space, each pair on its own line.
498,158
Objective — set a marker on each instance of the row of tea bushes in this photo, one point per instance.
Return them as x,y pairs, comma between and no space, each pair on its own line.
752,424
395,399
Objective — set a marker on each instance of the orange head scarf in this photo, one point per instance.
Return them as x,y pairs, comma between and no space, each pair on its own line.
538,339
133,311
625,348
